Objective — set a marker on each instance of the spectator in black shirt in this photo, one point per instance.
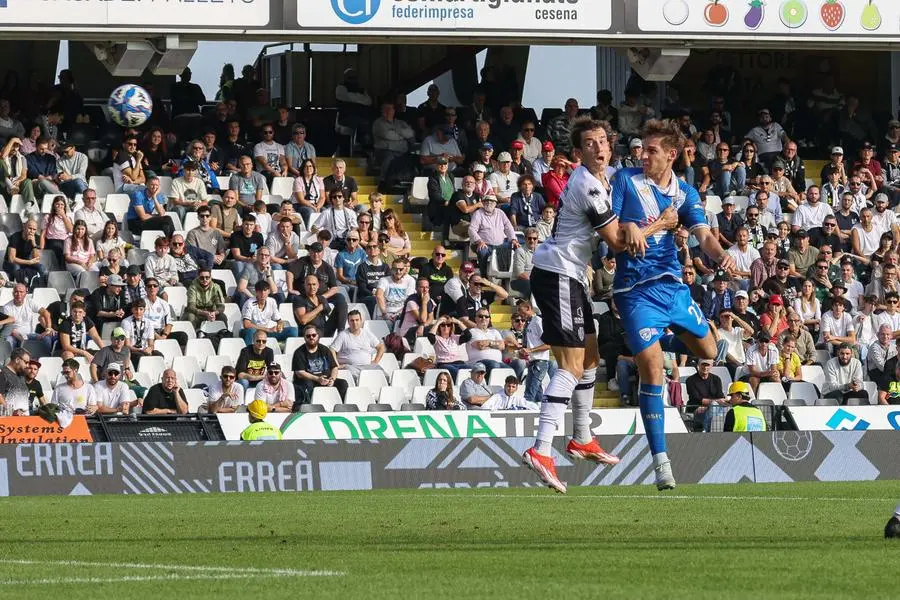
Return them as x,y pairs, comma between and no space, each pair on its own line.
187,97
368,274
75,332
23,254
689,277
165,398
704,389
473,299
314,366
437,272
313,264
728,223
252,361
339,180
35,389
244,244
233,147
828,235
611,339
107,302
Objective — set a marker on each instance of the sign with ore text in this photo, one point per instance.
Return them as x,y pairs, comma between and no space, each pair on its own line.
35,430
526,18
436,424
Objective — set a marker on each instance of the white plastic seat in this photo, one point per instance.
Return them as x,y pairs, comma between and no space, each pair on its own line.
418,195
373,380
149,237
170,349
214,364
394,396
378,328
388,363
152,366
233,316
419,393
423,347
283,187
187,367
805,391
187,327
462,375
685,372
117,205
223,180
769,390
362,308
723,374
286,310
47,202
177,299
872,389
359,396
195,399
44,296
103,185
713,204
291,345
405,379
494,268
408,358
231,347
813,374
227,277
206,378
326,397
498,376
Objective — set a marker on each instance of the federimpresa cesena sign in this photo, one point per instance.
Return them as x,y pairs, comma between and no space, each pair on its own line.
139,13
532,18
846,418
436,424
771,17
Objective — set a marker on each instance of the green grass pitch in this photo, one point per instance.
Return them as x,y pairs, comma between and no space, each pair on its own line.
713,541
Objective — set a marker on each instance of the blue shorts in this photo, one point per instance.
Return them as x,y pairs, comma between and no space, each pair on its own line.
647,310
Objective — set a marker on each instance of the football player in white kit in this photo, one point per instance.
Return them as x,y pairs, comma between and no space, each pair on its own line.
559,285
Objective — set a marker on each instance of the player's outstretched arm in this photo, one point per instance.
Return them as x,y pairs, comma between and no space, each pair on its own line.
713,249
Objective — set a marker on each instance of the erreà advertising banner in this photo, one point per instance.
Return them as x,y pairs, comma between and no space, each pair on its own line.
449,17
436,424
846,418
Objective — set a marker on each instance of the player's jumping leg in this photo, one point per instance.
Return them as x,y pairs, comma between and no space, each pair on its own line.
892,529
650,394
583,445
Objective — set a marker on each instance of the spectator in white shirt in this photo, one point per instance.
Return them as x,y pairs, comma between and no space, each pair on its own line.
883,218
762,361
261,314
744,254
275,390
26,312
509,398
112,394
837,326
484,344
392,292
283,244
94,218
225,395
504,181
357,349
811,214
844,376
139,333
160,265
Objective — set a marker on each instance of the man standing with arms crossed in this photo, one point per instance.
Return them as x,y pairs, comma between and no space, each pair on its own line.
648,289
559,285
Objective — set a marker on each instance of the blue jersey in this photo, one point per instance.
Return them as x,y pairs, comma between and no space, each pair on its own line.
637,199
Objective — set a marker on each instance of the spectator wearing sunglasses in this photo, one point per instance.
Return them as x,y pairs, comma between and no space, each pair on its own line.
275,390
269,155
314,366
522,263
437,272
252,361
226,395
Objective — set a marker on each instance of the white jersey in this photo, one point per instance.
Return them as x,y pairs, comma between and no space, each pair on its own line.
584,206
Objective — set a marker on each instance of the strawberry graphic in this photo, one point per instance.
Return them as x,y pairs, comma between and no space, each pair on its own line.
832,14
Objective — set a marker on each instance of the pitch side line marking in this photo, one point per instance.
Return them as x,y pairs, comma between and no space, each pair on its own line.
561,497
199,572
139,578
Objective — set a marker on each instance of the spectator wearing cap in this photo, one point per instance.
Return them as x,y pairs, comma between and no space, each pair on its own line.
728,222
719,296
761,361
357,349
520,165
487,231
868,162
891,168
725,175
76,331
116,352
314,264
275,390
483,156
107,303
113,396
437,272
526,205
783,188
314,366
541,164
782,282
479,173
634,160
225,395
554,181
455,288
261,314
146,210
134,287
503,180
441,189
392,137
475,391
811,214
188,192
441,145
837,326
774,320
531,145
802,256
844,375
768,136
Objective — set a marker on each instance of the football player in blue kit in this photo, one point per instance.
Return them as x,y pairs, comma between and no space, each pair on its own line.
647,287
559,286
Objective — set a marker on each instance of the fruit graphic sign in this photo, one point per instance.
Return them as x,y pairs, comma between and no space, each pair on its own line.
771,17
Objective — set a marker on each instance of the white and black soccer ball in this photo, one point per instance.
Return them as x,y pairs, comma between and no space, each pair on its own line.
792,445
130,105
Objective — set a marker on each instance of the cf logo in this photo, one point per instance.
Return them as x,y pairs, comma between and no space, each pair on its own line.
355,12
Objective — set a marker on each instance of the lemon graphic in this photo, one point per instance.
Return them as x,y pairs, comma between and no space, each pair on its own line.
793,13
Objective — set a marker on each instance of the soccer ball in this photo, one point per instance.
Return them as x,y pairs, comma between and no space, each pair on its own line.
130,105
793,445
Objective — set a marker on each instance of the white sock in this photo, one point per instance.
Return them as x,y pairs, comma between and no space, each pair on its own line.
553,408
660,458
582,402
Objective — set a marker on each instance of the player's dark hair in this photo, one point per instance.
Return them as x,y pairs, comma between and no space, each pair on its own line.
583,124
668,131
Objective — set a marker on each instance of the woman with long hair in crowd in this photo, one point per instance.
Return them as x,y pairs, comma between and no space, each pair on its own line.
156,151
309,190
55,229
29,142
808,307
441,396
446,344
78,250
752,166
110,239
367,235
398,243
14,172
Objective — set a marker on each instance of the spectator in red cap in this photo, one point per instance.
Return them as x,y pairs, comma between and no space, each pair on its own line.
455,288
541,164
520,164
774,320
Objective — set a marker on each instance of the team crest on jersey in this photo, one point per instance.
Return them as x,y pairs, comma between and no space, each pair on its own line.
646,333
594,193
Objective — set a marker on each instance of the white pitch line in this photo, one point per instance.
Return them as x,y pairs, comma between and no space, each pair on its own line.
560,497
139,578
231,571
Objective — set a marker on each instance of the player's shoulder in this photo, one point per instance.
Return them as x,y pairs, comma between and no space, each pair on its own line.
627,174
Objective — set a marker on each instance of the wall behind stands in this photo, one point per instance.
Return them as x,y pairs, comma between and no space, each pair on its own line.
198,467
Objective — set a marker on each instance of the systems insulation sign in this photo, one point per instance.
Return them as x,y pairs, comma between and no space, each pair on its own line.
771,17
435,424
532,18
136,13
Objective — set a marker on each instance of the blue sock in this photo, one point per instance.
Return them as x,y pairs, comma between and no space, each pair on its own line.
651,401
671,343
